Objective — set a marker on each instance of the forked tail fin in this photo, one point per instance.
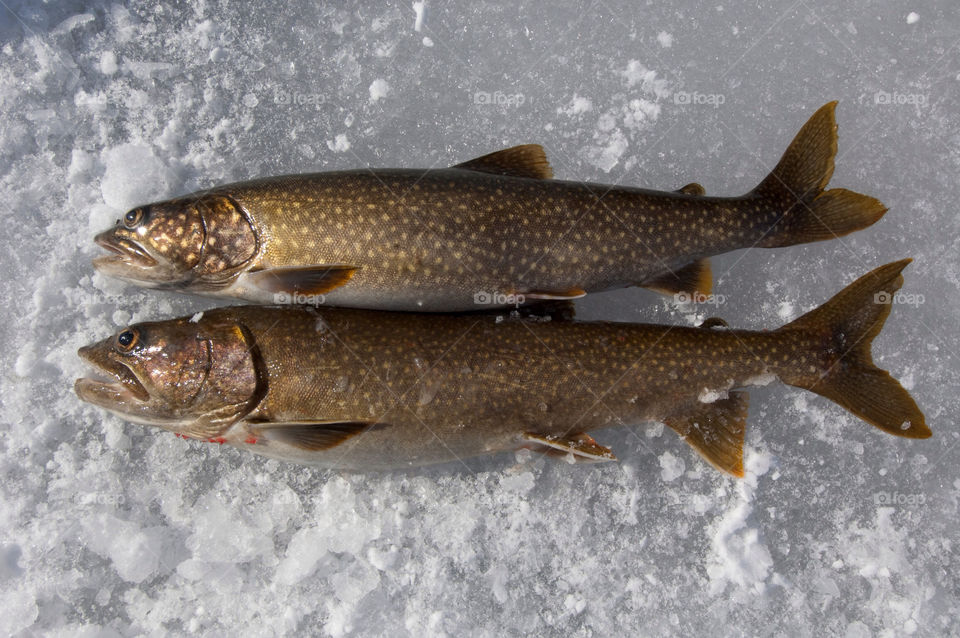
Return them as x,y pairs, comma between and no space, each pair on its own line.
796,187
847,325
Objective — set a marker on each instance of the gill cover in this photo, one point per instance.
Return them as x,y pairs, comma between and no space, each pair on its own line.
229,240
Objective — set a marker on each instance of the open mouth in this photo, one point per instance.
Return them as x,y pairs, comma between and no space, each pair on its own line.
112,382
123,251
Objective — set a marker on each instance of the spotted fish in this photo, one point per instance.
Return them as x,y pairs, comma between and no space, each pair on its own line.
493,231
364,390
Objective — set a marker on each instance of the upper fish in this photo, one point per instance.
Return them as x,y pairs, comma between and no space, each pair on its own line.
493,231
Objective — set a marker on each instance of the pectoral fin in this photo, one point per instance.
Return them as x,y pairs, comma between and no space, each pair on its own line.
312,280
694,278
313,436
692,188
716,430
527,160
581,446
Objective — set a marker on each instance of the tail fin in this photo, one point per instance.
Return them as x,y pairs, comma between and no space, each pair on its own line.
796,186
847,324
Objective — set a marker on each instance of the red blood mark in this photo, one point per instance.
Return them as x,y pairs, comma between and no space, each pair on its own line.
218,439
252,440
180,436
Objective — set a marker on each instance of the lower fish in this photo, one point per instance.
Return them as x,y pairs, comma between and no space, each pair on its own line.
363,390
493,231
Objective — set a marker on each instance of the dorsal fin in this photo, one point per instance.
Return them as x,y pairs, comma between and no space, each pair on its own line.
692,188
714,322
526,160
716,430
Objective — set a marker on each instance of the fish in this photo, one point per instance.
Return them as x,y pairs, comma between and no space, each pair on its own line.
366,390
493,232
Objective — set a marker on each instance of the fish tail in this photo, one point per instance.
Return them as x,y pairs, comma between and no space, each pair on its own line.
796,187
841,331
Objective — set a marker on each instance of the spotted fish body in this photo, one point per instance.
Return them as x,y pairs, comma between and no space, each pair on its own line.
493,231
440,239
362,390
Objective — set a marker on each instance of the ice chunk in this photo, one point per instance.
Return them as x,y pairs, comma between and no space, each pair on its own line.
671,467
340,144
378,90
135,552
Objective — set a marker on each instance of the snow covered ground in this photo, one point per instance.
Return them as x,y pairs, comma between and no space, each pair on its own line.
112,529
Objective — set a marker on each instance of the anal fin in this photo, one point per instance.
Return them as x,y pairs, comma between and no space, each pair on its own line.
312,436
580,445
694,278
716,431
297,280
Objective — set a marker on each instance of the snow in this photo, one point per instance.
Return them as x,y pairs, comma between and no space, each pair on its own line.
378,90
339,144
418,10
114,529
132,171
671,467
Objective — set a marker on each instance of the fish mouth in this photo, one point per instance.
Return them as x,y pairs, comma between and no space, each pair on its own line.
113,383
123,252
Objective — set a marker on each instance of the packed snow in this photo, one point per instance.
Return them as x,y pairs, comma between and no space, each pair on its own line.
115,529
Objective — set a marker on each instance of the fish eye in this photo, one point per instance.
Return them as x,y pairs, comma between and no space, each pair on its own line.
127,339
133,217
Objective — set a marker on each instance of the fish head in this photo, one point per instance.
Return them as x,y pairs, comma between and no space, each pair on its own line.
191,378
188,243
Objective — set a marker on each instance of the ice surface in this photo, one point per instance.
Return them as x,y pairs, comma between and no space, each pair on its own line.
113,529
